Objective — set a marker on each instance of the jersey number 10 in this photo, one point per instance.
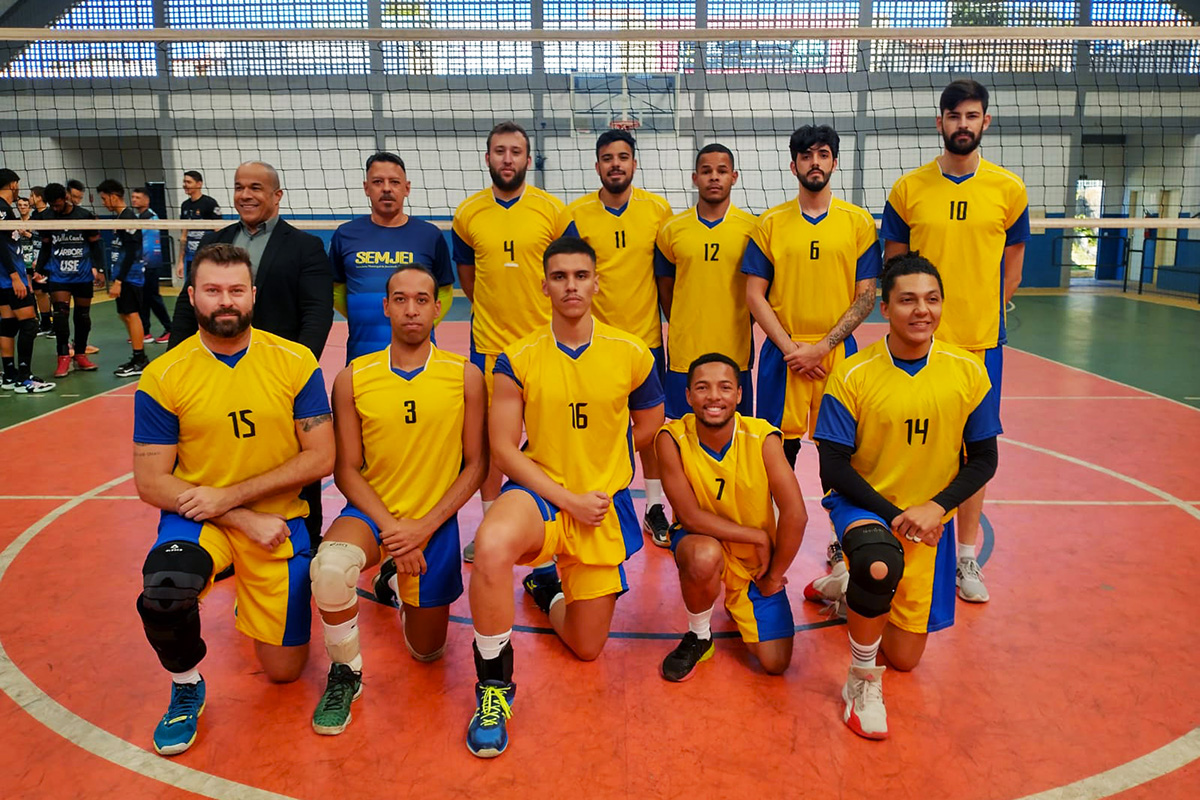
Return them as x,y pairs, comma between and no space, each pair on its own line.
958,209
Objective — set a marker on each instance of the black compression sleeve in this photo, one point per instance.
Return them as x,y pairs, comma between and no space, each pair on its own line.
837,474
982,458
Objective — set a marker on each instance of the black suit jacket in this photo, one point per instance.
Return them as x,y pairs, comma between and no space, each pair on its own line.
294,283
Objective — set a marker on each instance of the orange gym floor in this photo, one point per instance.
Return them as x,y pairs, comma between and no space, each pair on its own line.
1077,681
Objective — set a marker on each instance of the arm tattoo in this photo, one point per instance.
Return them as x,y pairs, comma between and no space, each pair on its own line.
859,310
308,423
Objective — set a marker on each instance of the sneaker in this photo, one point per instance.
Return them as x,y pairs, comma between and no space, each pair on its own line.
681,662
84,364
542,593
833,553
177,729
487,736
148,338
47,332
656,524
164,337
970,581
8,382
132,367
33,385
469,552
830,589
865,713
64,366
382,584
342,688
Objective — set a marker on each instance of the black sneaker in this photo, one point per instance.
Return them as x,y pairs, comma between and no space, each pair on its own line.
542,593
382,586
656,524
132,367
681,662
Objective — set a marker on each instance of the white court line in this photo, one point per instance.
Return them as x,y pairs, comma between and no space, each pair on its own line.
64,408
92,738
1165,759
1110,380
1082,397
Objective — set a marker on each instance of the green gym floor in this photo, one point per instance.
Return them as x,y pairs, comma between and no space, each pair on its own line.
1141,342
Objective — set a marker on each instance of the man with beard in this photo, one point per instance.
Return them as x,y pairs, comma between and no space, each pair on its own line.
573,386
697,262
366,251
971,218
811,268
410,421
895,421
725,474
228,426
621,223
499,236
69,263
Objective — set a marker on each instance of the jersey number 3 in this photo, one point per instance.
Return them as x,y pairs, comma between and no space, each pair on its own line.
410,411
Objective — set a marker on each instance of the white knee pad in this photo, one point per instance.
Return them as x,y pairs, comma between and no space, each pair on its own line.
334,573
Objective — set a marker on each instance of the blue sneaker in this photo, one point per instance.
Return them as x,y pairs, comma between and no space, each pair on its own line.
177,729
486,735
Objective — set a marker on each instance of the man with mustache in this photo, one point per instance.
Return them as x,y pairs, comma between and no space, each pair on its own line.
621,223
228,426
499,236
725,474
811,267
365,251
292,281
970,217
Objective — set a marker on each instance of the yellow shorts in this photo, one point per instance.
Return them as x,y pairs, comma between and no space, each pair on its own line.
789,401
590,560
272,588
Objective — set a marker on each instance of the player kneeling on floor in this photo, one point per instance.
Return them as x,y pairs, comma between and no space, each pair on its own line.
894,421
574,386
227,429
722,473
411,449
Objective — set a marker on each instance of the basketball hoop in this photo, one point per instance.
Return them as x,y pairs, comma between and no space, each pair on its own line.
624,124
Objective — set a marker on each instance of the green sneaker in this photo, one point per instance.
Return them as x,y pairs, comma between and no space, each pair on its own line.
343,687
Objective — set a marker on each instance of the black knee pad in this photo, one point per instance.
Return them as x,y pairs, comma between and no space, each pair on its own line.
9,327
82,314
28,326
174,575
58,307
863,547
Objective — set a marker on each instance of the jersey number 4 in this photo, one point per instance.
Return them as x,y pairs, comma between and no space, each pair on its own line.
510,247
917,427
243,427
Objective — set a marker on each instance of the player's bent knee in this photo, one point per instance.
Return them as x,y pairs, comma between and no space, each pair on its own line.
173,576
334,573
774,657
700,558
282,664
875,559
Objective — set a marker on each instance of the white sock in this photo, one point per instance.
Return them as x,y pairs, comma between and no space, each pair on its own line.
699,623
191,676
863,655
966,550
487,504
340,631
491,646
558,598
653,492
341,634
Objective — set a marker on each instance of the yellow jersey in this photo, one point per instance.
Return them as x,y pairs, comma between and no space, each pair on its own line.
812,263
505,241
623,239
412,427
907,421
731,484
577,404
708,312
231,417
962,225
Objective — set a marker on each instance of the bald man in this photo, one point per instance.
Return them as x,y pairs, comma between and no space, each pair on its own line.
291,275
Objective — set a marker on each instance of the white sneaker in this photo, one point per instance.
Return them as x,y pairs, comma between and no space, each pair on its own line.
34,385
865,713
830,589
970,581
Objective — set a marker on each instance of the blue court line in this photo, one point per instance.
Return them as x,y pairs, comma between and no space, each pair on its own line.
989,541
